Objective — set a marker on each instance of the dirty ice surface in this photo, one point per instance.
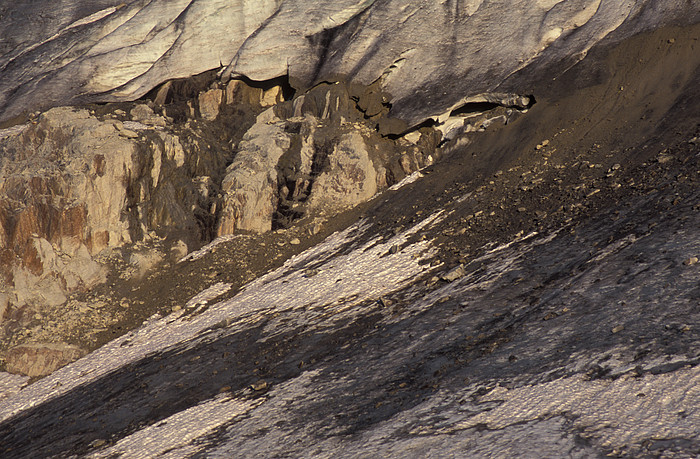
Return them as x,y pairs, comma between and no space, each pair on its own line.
339,282
593,352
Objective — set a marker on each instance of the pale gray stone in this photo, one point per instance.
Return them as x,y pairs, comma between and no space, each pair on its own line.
350,179
73,185
306,157
453,274
250,183
210,103
178,250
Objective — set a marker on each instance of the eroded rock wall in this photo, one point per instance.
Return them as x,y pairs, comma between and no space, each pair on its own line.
118,189
315,155
77,184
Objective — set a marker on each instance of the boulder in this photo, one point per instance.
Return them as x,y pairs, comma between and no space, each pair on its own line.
210,103
142,113
250,184
36,360
350,178
178,250
48,273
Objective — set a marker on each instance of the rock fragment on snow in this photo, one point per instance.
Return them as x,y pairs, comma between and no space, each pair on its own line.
455,273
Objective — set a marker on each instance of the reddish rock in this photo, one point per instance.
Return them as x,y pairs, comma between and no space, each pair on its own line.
27,222
31,260
97,240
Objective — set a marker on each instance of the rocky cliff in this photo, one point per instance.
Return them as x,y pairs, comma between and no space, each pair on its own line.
349,228
88,190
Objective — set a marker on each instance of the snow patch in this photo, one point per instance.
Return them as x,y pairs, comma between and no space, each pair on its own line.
406,180
180,429
197,254
11,384
628,416
212,292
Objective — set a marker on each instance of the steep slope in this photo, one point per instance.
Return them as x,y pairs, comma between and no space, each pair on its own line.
533,293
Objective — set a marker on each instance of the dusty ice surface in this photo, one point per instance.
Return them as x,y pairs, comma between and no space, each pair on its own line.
531,421
11,384
407,180
203,297
197,254
170,436
359,358
571,416
341,282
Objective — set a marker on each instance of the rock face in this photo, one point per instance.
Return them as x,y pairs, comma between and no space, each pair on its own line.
426,56
251,180
82,194
78,184
350,179
48,273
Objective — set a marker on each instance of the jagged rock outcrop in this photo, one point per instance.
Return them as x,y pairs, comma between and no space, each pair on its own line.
315,155
425,56
250,183
80,183
351,177
75,183
68,164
